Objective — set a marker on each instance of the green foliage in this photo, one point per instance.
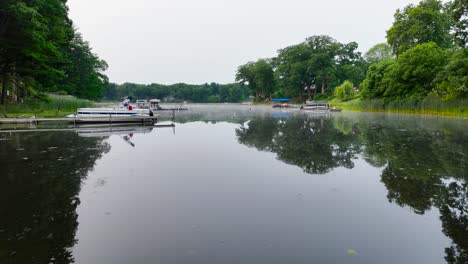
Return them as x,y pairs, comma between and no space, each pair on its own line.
85,72
416,70
378,79
458,9
428,105
378,53
292,67
52,106
452,81
345,91
205,93
426,22
320,61
41,51
412,74
259,77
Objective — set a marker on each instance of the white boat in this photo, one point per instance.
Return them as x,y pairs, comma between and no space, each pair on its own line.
110,112
319,107
142,104
154,104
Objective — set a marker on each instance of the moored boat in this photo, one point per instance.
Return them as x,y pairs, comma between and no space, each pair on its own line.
316,106
106,112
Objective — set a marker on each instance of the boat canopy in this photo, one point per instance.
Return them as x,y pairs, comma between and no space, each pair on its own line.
281,100
155,101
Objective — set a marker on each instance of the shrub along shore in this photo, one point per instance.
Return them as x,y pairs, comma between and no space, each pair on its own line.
53,106
427,106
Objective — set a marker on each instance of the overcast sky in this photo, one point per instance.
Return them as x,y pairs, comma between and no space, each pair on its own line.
198,41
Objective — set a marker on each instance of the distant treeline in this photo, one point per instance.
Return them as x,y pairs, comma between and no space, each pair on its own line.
205,93
426,55
41,51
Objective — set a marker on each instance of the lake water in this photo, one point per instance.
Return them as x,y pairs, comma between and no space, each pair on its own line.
239,184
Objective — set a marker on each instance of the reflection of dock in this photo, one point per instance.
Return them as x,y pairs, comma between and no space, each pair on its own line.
97,129
110,130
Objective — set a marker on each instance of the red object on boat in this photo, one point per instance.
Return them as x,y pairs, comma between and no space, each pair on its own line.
130,108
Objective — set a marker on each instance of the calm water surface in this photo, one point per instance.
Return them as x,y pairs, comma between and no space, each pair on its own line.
239,184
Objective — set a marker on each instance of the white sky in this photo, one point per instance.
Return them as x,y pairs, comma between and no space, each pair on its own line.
198,41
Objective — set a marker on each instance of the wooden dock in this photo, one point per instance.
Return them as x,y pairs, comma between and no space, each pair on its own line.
84,120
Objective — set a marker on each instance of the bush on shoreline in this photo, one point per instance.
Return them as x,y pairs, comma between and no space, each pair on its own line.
429,105
54,106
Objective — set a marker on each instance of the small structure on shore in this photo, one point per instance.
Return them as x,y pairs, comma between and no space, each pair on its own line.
281,102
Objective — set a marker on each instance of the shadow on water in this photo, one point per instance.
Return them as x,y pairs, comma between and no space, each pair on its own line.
425,163
39,187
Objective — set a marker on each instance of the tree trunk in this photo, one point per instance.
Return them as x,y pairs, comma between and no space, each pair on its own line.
308,92
323,85
4,87
18,88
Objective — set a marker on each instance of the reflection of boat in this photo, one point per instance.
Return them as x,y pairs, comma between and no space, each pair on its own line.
109,131
280,115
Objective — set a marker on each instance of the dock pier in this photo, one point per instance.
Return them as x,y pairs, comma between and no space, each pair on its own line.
110,119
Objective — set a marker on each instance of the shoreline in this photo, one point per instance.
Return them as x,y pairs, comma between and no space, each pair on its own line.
345,106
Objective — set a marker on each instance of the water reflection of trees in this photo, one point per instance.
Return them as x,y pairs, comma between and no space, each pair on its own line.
426,168
39,189
425,164
312,143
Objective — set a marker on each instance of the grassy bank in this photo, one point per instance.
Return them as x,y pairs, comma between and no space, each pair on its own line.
428,106
56,106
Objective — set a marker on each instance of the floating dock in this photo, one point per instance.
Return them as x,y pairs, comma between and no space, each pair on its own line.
105,119
84,120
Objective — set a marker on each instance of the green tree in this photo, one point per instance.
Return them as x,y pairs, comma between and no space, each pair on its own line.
85,71
345,91
350,65
24,46
426,22
459,12
41,51
452,81
245,75
264,78
325,52
378,53
293,66
379,78
417,69
259,77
